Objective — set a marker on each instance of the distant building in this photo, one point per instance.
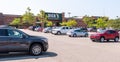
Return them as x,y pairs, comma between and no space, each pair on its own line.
5,19
56,18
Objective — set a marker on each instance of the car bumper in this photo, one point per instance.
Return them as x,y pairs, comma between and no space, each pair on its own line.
46,46
54,32
94,37
69,34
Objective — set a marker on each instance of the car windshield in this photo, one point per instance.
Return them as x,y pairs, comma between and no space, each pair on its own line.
47,28
101,31
24,33
55,27
58,27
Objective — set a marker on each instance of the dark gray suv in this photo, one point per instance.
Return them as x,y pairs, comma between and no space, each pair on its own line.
14,40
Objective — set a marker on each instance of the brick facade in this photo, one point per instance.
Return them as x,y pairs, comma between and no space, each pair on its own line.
5,19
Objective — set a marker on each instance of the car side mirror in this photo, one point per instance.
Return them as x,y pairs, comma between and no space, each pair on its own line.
23,36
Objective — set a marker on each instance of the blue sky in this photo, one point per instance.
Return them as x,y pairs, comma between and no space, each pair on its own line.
76,7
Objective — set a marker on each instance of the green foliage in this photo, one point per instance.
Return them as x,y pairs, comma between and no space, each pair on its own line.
16,21
101,23
89,21
105,18
63,23
71,23
49,24
28,17
43,17
114,23
110,23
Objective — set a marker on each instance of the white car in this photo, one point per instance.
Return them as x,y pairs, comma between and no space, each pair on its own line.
77,32
61,30
47,30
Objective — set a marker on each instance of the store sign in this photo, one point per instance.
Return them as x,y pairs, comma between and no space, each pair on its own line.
54,16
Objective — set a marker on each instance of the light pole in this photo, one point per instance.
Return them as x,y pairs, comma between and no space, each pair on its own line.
69,13
117,17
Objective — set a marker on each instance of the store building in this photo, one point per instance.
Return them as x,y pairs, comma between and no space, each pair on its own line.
56,18
5,19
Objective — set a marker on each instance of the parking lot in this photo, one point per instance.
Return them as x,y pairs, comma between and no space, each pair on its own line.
69,49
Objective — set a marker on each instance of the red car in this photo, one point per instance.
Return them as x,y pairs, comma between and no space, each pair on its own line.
105,35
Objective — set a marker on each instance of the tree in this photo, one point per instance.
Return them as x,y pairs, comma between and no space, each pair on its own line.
71,23
110,23
28,18
63,23
89,21
16,21
49,24
101,23
43,17
116,24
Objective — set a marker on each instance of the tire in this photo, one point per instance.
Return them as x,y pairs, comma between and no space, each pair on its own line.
86,35
58,32
102,39
107,40
69,35
116,39
93,41
74,35
36,49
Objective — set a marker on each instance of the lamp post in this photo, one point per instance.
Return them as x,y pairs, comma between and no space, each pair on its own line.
117,17
69,13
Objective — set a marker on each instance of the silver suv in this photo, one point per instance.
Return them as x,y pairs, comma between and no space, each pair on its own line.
61,30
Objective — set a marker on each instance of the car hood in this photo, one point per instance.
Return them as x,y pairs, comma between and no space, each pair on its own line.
56,29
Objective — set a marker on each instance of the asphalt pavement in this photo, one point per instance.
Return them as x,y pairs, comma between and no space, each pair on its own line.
69,49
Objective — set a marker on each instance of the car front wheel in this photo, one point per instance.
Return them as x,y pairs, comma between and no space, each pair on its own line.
86,35
102,39
74,35
116,39
36,49
58,32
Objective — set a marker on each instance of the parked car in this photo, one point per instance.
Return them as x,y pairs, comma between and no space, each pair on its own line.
14,40
93,29
77,32
47,30
61,30
39,29
84,29
30,27
105,35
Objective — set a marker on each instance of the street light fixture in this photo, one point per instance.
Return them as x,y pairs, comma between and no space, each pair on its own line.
69,13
